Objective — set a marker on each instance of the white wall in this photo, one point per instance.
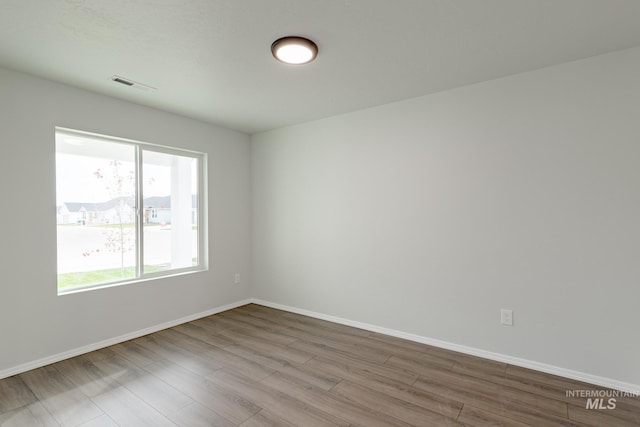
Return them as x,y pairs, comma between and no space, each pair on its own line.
427,216
35,323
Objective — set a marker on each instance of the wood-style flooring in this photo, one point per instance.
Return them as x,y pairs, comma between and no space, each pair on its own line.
257,366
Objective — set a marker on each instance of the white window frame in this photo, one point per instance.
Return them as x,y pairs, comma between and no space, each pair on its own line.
140,147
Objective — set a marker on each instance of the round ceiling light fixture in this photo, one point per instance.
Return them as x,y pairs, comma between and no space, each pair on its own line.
294,50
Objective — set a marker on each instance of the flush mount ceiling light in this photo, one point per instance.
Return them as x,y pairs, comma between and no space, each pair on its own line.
294,50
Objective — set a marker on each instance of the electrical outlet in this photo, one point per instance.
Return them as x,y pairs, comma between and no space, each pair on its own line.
236,278
506,317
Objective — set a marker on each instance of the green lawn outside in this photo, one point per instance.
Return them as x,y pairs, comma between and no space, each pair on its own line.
85,278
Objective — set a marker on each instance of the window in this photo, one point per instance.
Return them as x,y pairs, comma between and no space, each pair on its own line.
126,210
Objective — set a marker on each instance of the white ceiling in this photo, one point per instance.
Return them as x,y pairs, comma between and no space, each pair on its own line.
211,59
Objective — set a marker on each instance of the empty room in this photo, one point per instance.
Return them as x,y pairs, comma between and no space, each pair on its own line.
320,213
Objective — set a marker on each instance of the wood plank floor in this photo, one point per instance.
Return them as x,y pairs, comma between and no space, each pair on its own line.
256,366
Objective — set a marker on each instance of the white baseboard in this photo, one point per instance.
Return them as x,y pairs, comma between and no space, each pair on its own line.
112,341
543,367
516,361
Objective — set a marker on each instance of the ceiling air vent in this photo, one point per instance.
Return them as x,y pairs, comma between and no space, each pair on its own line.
132,83
123,81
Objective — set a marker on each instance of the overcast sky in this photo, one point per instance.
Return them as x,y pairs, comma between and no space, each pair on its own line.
76,180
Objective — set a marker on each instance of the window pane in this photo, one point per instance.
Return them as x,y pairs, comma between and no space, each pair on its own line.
95,190
125,210
170,199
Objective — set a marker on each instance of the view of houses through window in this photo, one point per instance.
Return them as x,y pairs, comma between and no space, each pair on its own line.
125,210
